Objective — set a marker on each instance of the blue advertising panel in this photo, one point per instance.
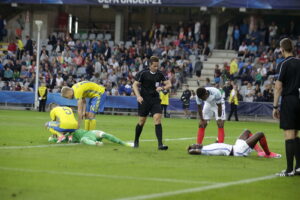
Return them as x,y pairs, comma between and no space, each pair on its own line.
258,4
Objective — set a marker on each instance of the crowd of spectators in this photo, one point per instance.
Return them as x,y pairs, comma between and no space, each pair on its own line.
65,60
254,71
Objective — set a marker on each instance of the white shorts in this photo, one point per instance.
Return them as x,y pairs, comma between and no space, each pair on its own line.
241,148
209,110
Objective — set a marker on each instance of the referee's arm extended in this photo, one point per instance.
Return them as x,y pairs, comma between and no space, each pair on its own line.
277,94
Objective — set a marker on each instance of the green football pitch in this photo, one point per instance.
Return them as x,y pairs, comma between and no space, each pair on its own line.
30,168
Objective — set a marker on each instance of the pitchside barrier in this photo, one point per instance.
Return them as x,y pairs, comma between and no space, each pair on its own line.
115,104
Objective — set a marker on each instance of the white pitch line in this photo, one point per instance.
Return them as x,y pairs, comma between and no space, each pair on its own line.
198,189
107,176
144,140
38,146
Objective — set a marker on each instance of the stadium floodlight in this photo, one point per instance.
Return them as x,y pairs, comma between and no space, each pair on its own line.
14,5
243,9
70,23
223,8
39,24
76,26
203,8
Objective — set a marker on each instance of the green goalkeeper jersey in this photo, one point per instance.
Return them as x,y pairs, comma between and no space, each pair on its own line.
80,133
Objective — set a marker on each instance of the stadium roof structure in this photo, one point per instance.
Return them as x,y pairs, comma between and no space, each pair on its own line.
255,4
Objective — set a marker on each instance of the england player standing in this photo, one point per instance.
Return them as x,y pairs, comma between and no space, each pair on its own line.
213,105
288,87
150,81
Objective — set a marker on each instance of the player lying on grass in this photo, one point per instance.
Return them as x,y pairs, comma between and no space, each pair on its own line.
93,137
242,147
63,121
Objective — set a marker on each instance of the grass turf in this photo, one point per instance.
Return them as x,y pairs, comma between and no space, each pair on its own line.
114,172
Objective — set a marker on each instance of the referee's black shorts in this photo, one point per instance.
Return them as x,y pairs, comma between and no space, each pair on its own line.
149,106
290,113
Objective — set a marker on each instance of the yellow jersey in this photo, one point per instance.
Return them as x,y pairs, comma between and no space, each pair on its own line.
87,89
65,116
164,98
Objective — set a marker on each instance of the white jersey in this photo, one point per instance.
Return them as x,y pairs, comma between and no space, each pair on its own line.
217,149
240,148
210,104
215,97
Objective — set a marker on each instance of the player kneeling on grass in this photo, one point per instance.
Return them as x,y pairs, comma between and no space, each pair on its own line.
94,137
63,121
242,147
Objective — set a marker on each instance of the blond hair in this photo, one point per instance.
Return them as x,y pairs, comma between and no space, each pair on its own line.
65,90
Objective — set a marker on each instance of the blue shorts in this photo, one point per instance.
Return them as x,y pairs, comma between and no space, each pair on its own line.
55,126
93,105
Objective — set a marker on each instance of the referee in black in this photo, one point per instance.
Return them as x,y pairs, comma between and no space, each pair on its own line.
288,87
150,81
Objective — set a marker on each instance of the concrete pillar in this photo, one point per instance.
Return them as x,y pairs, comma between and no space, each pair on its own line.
214,20
119,26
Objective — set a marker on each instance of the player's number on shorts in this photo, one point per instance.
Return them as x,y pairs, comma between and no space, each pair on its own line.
67,111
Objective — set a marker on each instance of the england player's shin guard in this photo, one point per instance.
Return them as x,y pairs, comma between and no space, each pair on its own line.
221,135
200,136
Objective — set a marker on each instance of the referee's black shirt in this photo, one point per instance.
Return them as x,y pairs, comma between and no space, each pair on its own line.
289,74
149,82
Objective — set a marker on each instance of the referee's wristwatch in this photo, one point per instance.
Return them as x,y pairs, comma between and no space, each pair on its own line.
275,107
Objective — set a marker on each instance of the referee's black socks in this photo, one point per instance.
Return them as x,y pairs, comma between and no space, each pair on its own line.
158,131
290,152
297,152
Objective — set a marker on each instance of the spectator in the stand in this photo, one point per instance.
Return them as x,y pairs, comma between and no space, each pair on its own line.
244,73
128,88
227,88
272,31
229,37
259,97
234,102
185,98
206,51
298,46
197,30
12,47
217,74
244,29
233,69
8,74
236,38
243,49
6,86
29,45
20,49
208,83
249,93
252,49
268,93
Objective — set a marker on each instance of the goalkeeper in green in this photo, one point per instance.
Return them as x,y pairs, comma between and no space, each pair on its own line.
94,137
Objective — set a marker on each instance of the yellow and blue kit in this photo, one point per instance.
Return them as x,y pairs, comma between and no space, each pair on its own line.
63,120
93,91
